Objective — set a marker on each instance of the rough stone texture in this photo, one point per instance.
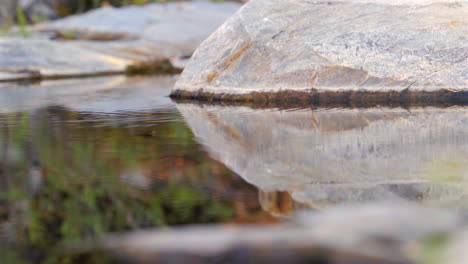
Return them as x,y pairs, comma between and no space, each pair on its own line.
109,40
371,233
334,46
341,155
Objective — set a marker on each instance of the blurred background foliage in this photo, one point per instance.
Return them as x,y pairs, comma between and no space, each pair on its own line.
68,176
68,7
35,11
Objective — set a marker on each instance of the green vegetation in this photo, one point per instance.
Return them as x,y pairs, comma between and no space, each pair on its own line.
434,249
84,193
22,22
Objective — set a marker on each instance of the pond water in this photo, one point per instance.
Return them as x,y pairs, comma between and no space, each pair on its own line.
83,158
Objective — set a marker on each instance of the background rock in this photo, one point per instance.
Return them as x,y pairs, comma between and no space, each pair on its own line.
39,58
109,40
172,29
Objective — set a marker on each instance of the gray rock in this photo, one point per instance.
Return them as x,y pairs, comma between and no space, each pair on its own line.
334,156
109,40
371,233
334,47
163,29
40,58
454,250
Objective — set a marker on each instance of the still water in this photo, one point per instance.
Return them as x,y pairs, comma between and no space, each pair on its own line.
83,158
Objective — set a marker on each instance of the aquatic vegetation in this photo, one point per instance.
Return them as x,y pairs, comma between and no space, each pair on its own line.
77,181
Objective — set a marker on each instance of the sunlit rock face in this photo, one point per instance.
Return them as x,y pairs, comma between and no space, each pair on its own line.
341,155
334,46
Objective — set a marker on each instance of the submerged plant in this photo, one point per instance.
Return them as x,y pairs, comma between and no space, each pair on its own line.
84,191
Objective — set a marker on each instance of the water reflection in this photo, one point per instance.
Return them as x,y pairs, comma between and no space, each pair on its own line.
104,94
79,160
112,164
318,157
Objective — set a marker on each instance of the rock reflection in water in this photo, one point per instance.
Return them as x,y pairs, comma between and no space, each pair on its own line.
339,155
67,175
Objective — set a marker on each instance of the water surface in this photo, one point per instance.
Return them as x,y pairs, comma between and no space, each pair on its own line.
83,158
112,157
324,156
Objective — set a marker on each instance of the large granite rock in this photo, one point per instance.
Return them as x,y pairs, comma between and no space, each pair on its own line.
341,155
113,40
351,49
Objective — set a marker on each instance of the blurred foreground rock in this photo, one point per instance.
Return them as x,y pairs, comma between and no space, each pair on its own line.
108,40
381,233
326,156
334,50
